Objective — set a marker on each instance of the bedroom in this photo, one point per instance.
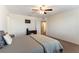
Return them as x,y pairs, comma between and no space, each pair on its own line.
62,24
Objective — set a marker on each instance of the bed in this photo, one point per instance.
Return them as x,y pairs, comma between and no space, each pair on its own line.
34,43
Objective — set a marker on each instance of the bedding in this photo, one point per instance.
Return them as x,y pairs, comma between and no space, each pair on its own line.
2,41
32,44
50,45
8,39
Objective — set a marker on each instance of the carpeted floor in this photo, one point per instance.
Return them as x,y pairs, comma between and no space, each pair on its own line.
69,47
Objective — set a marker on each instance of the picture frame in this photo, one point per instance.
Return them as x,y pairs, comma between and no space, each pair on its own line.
27,21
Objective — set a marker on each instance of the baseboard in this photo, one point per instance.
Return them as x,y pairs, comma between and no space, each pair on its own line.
62,40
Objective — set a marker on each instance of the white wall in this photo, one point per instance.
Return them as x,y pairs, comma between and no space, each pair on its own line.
16,24
3,18
65,26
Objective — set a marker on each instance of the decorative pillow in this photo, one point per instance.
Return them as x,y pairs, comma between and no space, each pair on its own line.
2,43
8,39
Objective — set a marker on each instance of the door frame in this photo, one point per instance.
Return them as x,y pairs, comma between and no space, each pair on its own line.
41,27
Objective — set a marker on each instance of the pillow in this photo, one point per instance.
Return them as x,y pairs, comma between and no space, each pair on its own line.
2,43
2,33
8,39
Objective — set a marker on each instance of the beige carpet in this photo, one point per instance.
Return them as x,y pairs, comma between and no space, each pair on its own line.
69,47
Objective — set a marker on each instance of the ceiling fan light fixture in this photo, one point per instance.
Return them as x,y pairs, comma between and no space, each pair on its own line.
41,12
43,9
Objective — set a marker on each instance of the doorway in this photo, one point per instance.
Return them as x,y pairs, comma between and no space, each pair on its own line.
43,27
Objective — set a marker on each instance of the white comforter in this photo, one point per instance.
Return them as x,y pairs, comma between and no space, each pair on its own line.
51,45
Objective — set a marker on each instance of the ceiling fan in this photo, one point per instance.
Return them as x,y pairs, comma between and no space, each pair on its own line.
42,9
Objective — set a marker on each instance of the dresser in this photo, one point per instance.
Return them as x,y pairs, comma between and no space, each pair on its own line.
28,32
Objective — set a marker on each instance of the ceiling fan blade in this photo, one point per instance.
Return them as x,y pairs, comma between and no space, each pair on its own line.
48,10
35,9
45,13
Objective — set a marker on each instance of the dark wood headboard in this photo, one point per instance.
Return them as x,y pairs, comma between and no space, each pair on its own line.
30,31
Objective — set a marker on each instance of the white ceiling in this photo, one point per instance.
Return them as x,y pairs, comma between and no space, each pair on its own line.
27,9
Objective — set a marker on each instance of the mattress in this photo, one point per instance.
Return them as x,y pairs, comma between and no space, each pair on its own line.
23,44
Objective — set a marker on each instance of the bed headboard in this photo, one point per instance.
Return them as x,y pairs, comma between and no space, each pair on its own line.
28,32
